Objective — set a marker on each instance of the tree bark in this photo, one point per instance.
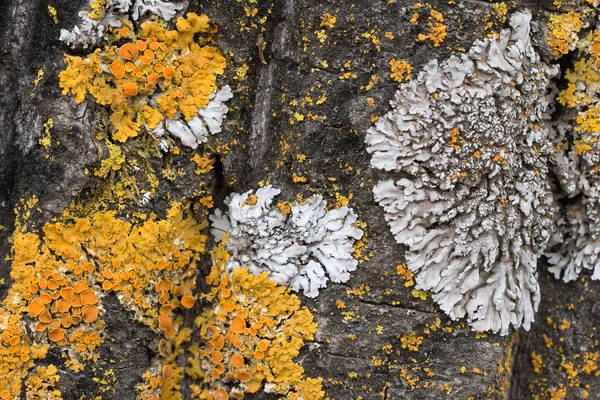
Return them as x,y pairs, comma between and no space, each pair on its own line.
281,130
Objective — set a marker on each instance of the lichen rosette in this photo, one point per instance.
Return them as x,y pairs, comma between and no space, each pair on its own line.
303,245
466,148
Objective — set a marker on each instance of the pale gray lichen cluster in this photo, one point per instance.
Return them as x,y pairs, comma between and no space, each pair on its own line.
466,149
303,248
90,32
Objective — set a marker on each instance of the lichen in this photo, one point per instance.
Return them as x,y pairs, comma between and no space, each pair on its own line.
577,165
17,354
154,75
59,278
563,31
250,336
106,14
473,203
208,119
40,384
435,22
303,248
400,70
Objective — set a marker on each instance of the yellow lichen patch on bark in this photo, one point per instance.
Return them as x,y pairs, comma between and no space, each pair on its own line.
400,70
537,362
435,24
17,354
563,30
40,384
166,65
59,277
250,337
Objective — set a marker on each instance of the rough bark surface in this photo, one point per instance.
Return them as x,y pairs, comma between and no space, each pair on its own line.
281,131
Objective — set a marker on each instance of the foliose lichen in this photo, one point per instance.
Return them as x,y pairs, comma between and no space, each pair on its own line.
467,147
249,337
106,14
195,131
302,245
156,75
60,276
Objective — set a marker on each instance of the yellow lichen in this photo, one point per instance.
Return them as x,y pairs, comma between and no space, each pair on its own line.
250,337
17,353
406,274
40,384
113,162
563,30
46,137
411,341
53,14
420,294
97,7
203,164
400,70
435,23
298,179
164,64
537,362
38,78
151,267
328,20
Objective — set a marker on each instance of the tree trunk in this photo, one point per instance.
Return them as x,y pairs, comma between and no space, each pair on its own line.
297,121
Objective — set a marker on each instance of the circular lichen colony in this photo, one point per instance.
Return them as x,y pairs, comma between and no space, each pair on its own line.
301,244
467,145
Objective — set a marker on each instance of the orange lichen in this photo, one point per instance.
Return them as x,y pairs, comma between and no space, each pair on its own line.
60,276
40,384
250,337
411,341
17,354
187,301
166,65
582,93
406,274
164,379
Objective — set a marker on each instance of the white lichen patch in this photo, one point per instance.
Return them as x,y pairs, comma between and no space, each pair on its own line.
106,14
196,130
467,147
302,248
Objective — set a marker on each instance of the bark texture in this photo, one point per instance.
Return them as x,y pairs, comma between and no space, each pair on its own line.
298,119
